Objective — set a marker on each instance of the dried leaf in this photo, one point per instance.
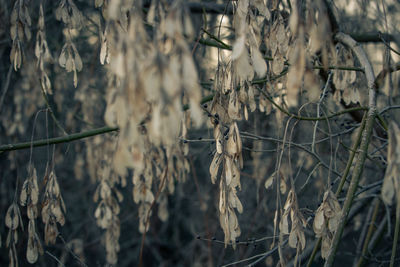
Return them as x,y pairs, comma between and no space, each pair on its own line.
260,67
32,212
270,180
238,47
302,238
293,239
252,102
231,146
282,184
325,247
218,139
62,59
78,61
234,201
12,217
319,222
278,64
24,193
50,232
228,170
388,190
262,8
284,224
243,69
312,86
234,106
32,252
333,223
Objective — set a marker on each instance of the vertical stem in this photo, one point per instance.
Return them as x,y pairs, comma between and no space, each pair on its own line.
370,232
352,154
53,116
353,186
314,252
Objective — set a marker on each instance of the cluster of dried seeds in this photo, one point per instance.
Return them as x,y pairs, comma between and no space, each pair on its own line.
69,13
13,220
69,57
107,212
53,207
228,155
297,238
99,156
42,53
326,221
234,93
20,28
148,104
29,197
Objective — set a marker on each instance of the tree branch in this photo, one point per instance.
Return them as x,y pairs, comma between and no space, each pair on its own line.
381,76
58,140
213,8
373,37
358,169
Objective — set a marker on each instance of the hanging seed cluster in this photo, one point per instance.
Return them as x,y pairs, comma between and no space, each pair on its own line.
53,208
13,221
20,30
326,221
151,79
69,58
29,197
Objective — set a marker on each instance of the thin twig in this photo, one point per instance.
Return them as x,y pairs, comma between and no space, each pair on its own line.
55,258
378,234
259,256
381,76
318,111
388,108
298,117
295,145
58,124
375,209
68,247
212,36
388,45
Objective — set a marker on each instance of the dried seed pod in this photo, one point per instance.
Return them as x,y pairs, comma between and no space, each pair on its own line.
326,220
13,217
